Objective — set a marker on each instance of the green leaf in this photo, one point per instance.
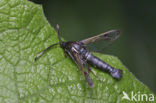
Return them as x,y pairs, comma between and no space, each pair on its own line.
24,32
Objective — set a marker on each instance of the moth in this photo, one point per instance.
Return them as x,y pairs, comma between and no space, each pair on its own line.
78,52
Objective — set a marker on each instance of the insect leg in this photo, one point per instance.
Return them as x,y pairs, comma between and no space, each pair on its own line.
80,63
88,79
42,52
94,73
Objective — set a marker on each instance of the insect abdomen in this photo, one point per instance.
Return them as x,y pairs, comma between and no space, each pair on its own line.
96,62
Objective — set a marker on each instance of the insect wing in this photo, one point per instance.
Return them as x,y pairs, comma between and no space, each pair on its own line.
110,36
101,41
80,63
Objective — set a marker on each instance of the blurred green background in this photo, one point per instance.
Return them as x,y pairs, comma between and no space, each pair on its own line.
136,47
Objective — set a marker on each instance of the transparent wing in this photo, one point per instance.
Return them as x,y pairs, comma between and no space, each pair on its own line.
101,41
110,36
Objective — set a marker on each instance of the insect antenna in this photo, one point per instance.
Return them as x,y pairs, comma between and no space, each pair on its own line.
42,52
58,33
60,41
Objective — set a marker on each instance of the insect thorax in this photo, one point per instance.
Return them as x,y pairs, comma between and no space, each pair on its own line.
80,50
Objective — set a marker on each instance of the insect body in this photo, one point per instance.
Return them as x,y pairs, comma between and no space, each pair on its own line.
83,57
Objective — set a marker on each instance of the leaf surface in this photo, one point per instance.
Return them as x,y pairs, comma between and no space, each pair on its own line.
24,32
